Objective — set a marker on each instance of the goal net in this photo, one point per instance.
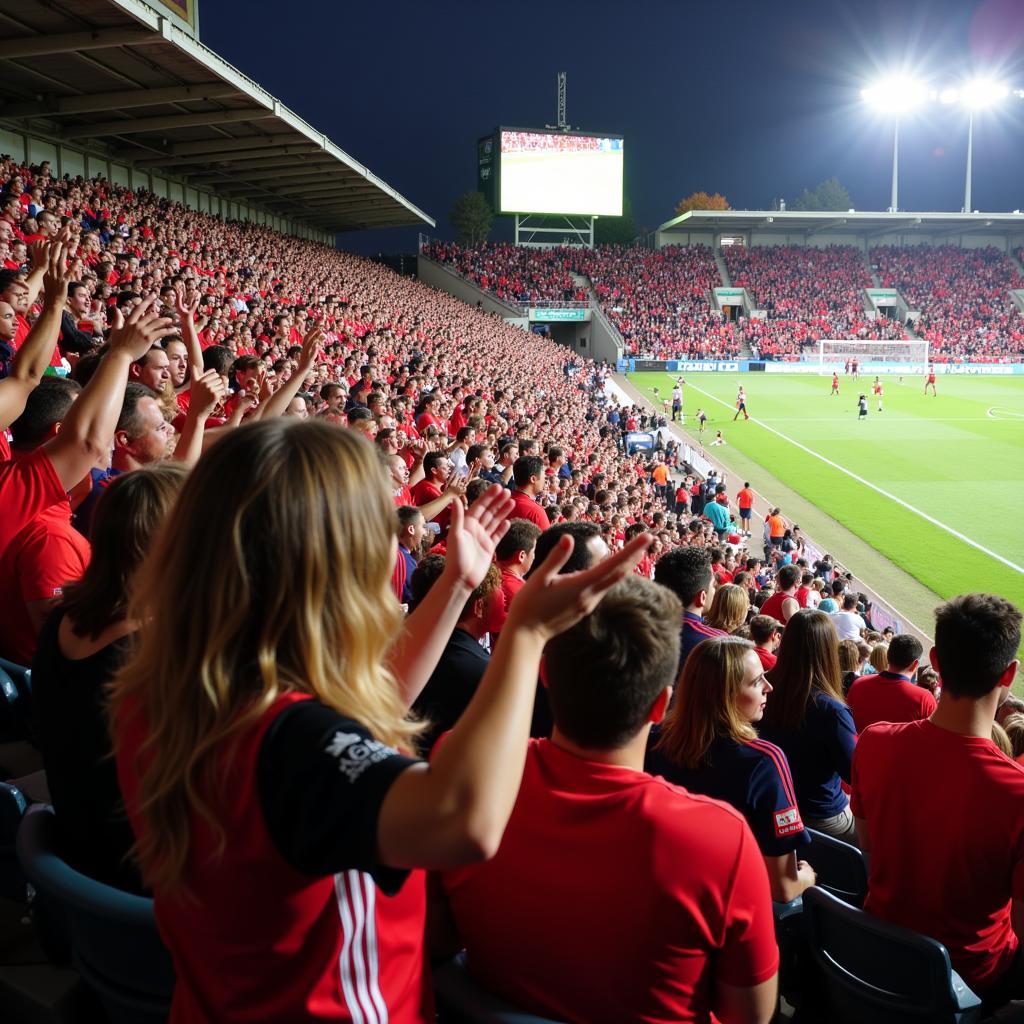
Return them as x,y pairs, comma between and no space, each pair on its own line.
903,355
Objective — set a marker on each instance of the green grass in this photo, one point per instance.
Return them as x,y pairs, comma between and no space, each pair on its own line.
948,457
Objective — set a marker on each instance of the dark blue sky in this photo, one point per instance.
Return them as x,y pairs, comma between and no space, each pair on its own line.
752,99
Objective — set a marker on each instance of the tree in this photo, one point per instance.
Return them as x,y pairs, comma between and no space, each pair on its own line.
471,216
830,194
703,201
616,230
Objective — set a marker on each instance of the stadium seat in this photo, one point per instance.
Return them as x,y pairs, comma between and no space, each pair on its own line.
840,867
12,810
114,941
15,700
881,973
460,1000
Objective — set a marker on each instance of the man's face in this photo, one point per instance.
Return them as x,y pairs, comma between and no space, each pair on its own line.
156,371
8,321
297,408
6,232
47,224
17,295
442,470
152,442
399,470
414,534
78,301
177,357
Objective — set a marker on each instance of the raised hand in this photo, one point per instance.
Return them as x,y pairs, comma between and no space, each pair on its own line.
549,604
184,306
473,535
58,274
311,345
143,328
455,485
207,392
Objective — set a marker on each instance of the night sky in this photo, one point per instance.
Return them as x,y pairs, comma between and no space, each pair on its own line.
753,99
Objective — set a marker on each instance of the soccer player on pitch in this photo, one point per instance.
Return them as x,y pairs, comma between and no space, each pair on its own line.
835,383
741,405
876,390
930,381
862,407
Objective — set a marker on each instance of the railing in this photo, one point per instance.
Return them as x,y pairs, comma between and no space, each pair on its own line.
560,304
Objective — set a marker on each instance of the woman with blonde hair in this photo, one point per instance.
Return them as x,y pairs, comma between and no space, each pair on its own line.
729,608
261,725
709,744
879,657
808,718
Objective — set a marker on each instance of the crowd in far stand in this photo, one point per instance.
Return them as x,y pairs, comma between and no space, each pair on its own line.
808,294
963,297
329,581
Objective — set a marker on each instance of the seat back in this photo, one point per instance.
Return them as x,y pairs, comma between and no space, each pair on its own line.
460,1000
12,809
878,972
15,700
114,940
840,867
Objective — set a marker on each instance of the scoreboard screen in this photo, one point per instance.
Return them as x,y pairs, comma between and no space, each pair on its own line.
559,173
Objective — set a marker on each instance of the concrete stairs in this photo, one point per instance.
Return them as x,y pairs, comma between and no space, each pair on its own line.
723,270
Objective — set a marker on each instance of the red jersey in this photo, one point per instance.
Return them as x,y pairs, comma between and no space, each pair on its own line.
773,606
255,938
888,697
659,893
525,507
511,584
766,658
745,498
427,491
947,853
28,485
931,378
37,564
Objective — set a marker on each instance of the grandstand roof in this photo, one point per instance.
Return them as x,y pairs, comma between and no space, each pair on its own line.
854,222
120,72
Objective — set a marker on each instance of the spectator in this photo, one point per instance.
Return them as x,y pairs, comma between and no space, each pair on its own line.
849,623
709,745
729,608
784,604
81,646
891,696
808,718
515,555
766,634
291,632
962,885
609,678
528,474
687,573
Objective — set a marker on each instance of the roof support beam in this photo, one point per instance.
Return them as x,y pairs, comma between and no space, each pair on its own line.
129,126
276,171
904,225
825,225
227,145
101,39
123,99
237,160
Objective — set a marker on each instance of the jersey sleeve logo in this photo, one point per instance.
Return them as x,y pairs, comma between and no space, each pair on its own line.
355,753
787,822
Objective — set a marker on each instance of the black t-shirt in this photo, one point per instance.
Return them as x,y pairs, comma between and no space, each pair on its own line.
322,779
69,710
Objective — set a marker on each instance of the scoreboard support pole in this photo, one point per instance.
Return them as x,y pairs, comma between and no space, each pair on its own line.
535,230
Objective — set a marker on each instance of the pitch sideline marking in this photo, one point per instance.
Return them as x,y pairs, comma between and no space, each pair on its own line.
996,412
868,483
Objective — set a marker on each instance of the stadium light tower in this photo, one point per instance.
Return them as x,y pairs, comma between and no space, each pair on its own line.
978,94
894,97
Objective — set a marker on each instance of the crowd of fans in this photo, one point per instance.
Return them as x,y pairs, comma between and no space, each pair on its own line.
963,296
211,437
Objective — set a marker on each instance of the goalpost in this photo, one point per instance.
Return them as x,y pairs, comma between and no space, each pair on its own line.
902,355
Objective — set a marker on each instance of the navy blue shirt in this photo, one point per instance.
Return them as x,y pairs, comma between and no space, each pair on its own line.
819,755
694,631
754,778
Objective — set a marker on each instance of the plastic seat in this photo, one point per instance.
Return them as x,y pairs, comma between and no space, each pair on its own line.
12,810
877,972
460,1000
841,868
15,700
115,945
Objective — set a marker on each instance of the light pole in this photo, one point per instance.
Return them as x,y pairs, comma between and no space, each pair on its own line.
893,97
978,94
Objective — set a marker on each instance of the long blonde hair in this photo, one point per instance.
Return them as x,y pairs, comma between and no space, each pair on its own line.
273,576
729,608
706,701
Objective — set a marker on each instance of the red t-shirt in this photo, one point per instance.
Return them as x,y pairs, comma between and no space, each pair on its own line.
48,553
525,507
511,584
767,659
28,485
773,606
888,697
745,498
658,893
944,821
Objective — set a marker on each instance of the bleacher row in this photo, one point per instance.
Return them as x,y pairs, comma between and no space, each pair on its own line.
662,303
282,530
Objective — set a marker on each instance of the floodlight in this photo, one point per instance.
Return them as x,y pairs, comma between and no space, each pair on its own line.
949,96
895,94
983,92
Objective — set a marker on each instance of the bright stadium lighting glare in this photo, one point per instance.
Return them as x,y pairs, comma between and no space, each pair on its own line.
983,92
949,96
896,94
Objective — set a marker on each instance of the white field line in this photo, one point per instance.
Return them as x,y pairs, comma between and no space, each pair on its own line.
868,483
997,412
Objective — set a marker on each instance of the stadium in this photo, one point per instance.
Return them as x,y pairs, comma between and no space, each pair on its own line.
552,626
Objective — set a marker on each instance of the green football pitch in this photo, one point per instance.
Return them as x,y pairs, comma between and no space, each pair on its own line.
934,485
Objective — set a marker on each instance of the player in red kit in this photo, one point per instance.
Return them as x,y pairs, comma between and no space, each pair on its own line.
876,390
835,383
930,382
